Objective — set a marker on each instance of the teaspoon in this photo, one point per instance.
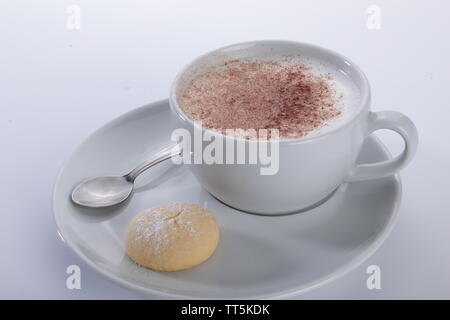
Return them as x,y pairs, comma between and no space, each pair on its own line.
108,191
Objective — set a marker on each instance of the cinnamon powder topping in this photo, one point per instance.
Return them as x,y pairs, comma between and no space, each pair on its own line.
261,94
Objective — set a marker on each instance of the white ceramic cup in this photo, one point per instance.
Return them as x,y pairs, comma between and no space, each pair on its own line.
310,168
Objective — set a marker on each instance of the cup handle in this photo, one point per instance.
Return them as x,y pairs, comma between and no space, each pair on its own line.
399,123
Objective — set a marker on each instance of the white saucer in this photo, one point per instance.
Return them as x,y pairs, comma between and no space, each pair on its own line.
258,257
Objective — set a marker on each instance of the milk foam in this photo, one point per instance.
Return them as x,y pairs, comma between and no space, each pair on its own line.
348,104
350,98
346,91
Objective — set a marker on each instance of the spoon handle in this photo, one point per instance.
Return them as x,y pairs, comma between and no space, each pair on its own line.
162,155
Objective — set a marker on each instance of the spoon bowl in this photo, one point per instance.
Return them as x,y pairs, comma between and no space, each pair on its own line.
102,192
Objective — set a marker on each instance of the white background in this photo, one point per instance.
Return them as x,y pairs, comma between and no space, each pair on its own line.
58,85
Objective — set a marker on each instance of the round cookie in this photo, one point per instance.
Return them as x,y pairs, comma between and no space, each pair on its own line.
172,237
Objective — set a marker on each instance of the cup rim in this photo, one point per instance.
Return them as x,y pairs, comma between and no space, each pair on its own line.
363,105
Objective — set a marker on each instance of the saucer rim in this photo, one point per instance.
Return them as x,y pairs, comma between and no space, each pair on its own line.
284,294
